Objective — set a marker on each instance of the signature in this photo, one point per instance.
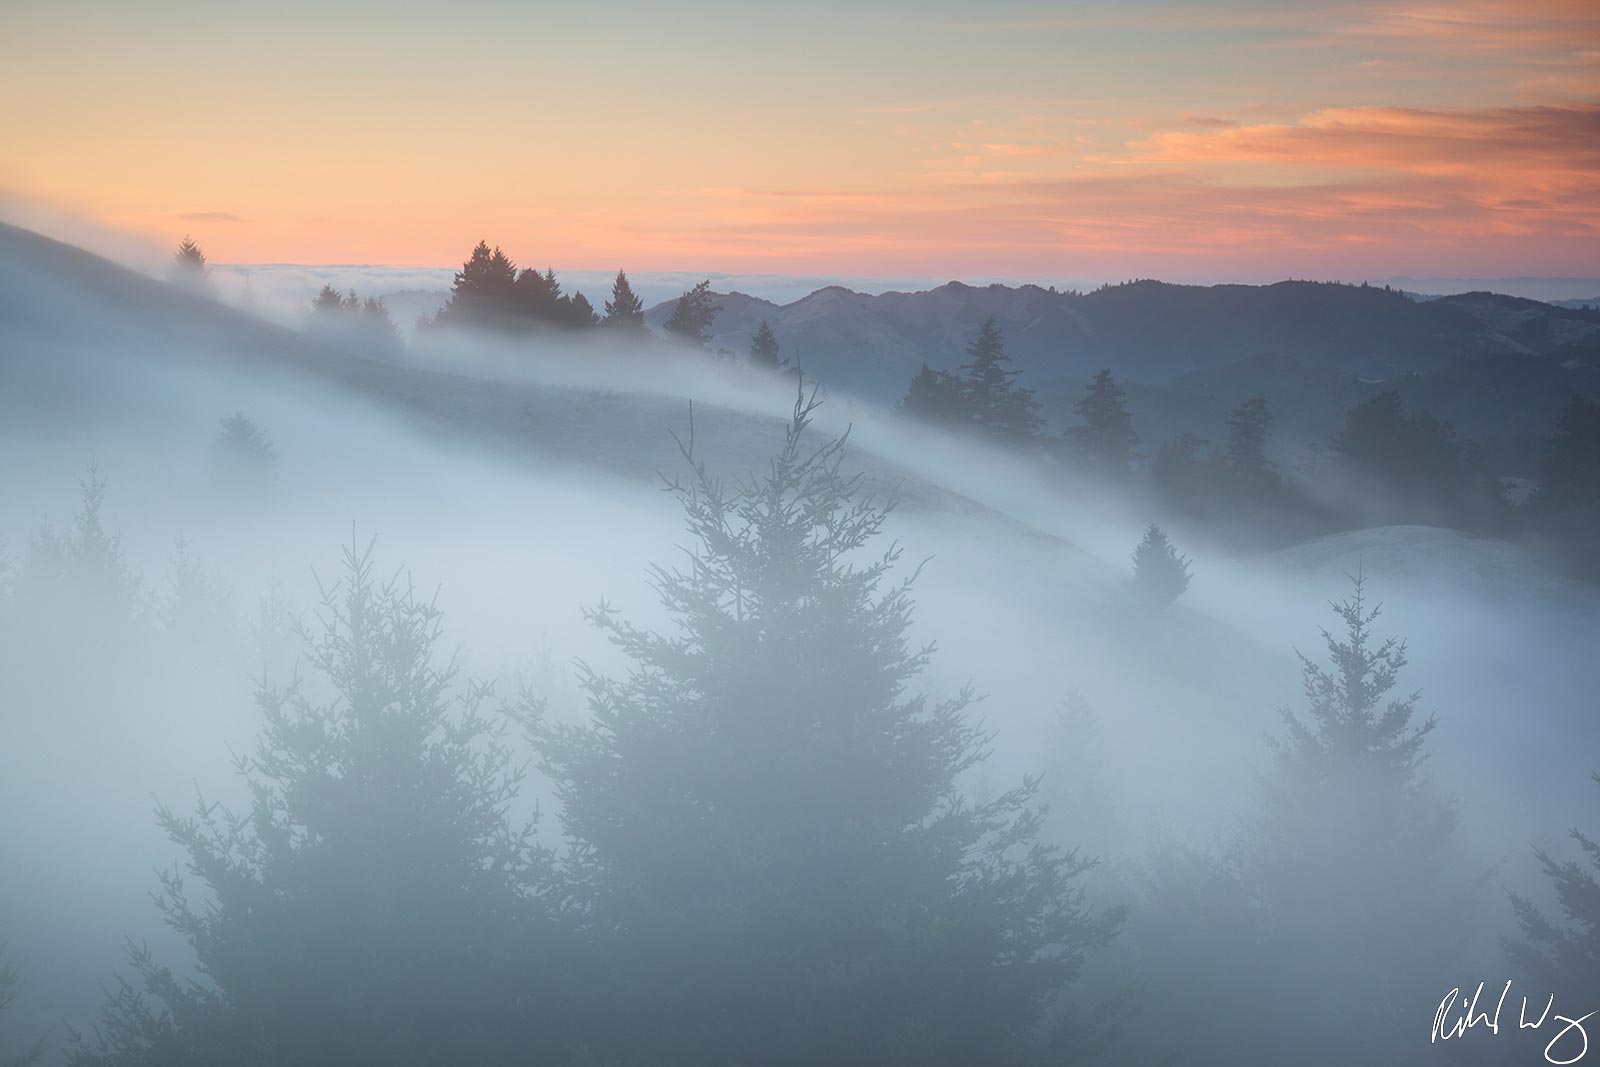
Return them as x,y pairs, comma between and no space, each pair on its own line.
1457,1015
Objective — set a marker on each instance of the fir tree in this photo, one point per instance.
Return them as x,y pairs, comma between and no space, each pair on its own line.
1106,438
484,292
189,268
243,462
1160,573
692,316
374,904
10,984
580,313
764,349
1249,469
1563,958
992,401
933,396
624,310
770,824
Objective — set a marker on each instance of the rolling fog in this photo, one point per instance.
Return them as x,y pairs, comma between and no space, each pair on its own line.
520,485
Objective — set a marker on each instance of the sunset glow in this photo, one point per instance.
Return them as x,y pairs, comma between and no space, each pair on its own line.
1182,140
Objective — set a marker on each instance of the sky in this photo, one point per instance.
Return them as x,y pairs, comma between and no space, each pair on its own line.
1189,141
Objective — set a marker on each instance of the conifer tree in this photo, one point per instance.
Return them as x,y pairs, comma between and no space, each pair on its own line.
580,314
933,396
764,349
189,268
992,401
484,292
770,823
624,310
1105,440
692,316
243,462
1563,957
1160,573
10,984
1249,427
375,904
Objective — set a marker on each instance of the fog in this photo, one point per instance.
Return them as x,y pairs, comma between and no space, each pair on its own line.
520,480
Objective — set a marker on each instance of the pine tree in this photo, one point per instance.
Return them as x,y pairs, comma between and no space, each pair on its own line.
1345,857
1249,469
1160,573
330,302
624,311
992,401
189,268
10,984
374,904
243,462
1563,958
764,349
933,396
484,292
692,316
580,313
1106,438
771,826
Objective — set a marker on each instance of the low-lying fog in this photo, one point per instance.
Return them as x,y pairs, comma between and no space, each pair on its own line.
519,485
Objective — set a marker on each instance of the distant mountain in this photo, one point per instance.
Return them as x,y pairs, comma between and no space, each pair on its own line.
1149,332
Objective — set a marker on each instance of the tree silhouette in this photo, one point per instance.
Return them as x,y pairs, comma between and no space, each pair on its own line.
374,904
692,316
243,461
764,349
1564,959
992,401
770,825
1160,574
1105,440
189,268
624,311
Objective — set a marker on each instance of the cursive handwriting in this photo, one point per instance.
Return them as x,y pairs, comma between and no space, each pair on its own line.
1457,1015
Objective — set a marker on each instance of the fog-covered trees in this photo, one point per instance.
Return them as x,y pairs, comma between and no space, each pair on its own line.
997,407
933,396
347,319
1347,858
1160,572
189,268
764,349
1250,473
489,292
15,1050
624,311
984,398
1104,440
692,316
1563,955
376,903
243,462
770,823
1567,503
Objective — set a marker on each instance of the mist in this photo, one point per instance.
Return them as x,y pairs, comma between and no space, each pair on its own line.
518,482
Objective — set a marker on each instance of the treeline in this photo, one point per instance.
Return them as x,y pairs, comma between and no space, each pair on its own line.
767,850
1386,466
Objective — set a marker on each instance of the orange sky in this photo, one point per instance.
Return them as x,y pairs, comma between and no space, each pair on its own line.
1171,139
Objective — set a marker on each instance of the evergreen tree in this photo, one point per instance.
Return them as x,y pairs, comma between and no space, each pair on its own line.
330,302
764,349
484,292
692,316
81,578
1106,438
770,825
10,984
243,462
189,268
1249,469
992,401
933,396
1567,503
1345,857
580,313
375,904
1563,958
624,310
1160,573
